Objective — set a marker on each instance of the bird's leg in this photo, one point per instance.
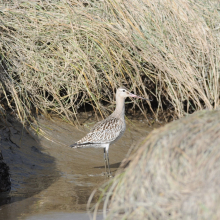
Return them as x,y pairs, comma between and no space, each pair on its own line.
105,160
109,171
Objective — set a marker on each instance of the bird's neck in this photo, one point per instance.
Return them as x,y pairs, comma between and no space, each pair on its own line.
120,108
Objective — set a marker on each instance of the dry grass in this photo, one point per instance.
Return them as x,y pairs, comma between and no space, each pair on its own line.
60,55
174,175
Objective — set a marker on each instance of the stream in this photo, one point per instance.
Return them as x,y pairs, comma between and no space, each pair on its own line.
51,180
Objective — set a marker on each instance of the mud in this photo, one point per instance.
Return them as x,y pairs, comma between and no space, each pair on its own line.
5,182
49,177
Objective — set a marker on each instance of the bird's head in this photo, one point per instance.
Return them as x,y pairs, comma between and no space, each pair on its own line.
124,93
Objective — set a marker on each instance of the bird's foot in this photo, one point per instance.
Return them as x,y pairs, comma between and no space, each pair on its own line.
104,174
107,174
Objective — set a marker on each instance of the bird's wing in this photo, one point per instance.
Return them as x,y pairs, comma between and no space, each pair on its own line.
103,132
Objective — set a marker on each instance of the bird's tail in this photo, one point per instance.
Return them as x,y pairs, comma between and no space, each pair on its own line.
75,145
82,145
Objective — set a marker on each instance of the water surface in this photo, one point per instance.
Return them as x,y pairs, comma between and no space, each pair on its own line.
49,179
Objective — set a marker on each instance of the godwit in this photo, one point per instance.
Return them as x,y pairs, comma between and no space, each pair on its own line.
108,130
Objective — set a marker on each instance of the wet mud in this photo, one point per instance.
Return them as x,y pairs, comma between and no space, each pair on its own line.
46,175
5,182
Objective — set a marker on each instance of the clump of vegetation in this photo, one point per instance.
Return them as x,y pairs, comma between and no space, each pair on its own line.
175,174
59,56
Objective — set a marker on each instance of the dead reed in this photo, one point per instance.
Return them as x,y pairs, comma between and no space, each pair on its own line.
174,175
60,55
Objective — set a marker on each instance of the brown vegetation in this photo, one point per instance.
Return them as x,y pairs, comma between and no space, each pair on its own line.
175,174
60,55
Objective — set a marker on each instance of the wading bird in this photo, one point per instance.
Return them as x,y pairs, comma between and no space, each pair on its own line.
108,130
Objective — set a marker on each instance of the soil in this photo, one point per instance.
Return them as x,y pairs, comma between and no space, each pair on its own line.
5,183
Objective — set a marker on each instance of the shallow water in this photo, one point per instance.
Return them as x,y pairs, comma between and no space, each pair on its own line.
49,179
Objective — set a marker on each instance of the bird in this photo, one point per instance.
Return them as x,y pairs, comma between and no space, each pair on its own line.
109,130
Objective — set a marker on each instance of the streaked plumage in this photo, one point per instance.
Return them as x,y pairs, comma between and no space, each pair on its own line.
103,132
108,130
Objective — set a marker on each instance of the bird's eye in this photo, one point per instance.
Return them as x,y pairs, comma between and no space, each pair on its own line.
123,90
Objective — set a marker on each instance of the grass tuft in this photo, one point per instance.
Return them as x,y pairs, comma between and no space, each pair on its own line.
59,56
175,174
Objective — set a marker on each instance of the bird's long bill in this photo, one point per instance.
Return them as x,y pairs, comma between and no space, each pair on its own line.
138,97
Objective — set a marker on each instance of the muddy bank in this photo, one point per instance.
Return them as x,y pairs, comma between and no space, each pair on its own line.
31,170
48,176
5,183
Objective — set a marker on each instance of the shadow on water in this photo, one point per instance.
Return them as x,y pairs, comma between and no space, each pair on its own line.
115,165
